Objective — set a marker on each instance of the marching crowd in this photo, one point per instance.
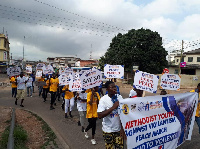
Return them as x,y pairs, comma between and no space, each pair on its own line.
91,104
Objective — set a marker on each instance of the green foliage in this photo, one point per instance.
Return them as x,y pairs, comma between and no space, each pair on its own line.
142,47
4,138
20,137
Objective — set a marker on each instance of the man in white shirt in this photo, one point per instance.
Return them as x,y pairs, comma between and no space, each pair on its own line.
29,85
21,85
108,110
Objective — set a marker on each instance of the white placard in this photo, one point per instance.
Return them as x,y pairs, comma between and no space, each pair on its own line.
14,71
48,69
91,78
40,66
170,82
114,71
64,79
28,69
75,83
146,81
38,74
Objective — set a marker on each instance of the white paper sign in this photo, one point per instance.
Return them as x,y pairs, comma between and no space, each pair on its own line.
64,79
146,81
40,66
114,71
38,74
75,83
91,78
48,69
158,122
14,71
28,69
170,82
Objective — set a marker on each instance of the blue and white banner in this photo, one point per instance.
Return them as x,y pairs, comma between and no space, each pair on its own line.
158,121
114,71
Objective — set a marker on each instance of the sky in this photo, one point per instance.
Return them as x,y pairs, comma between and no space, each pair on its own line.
85,28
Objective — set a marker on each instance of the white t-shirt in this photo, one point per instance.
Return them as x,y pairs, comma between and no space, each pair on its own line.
81,106
29,81
21,83
111,123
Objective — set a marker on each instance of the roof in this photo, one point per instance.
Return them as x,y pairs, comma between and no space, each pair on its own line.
197,51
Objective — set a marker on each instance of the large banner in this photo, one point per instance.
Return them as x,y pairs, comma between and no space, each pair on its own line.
146,81
13,71
114,71
29,69
91,78
170,82
158,121
75,83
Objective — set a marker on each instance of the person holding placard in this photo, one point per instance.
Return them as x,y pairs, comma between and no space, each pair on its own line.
92,104
69,100
113,132
45,88
14,86
54,82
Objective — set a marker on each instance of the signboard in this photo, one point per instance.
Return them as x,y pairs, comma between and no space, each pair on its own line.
14,71
5,57
158,122
91,78
75,83
114,71
28,69
146,81
38,74
183,64
48,69
170,82
64,79
40,66
40,83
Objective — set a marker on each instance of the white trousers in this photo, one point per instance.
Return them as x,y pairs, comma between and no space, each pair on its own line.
82,115
69,103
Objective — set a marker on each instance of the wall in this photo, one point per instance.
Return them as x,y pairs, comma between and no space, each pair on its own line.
194,59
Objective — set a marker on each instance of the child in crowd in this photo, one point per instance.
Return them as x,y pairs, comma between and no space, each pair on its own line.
92,103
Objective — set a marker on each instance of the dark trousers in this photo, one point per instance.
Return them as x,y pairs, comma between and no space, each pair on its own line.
44,93
14,92
53,97
92,124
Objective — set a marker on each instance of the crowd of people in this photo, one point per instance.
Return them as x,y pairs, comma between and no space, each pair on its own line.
91,104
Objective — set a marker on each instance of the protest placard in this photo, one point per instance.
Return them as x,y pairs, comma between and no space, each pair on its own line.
158,121
40,66
40,83
170,82
75,83
91,78
146,81
29,69
13,71
38,74
48,69
64,79
114,71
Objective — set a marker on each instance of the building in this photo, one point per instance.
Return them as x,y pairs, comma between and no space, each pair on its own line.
87,63
192,59
4,52
62,61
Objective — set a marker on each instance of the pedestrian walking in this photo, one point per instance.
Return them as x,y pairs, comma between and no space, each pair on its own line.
113,132
69,100
29,86
14,86
92,104
45,88
54,82
21,85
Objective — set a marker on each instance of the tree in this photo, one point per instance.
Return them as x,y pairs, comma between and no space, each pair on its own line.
142,46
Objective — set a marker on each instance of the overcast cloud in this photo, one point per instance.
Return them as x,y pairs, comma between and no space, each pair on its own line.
76,27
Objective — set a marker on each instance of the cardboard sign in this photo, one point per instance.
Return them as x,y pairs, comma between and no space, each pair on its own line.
64,79
40,66
13,71
48,69
158,122
114,71
29,69
146,81
40,83
170,82
75,83
38,74
91,78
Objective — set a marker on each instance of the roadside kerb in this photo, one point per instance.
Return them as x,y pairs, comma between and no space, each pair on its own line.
10,144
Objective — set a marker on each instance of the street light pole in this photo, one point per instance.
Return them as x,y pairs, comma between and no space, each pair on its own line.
180,58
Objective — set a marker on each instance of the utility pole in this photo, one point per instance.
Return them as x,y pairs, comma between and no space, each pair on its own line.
180,58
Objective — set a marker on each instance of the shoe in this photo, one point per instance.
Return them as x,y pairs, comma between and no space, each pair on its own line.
31,96
16,102
93,141
66,115
70,114
54,104
51,108
21,105
62,107
86,135
79,123
83,129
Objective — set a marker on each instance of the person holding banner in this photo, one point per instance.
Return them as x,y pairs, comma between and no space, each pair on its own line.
69,100
21,81
14,86
92,104
197,116
54,82
113,132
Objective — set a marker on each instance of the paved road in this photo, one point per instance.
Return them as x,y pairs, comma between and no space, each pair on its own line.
68,129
